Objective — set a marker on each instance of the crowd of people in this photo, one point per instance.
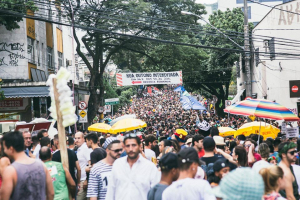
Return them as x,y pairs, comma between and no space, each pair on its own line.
180,155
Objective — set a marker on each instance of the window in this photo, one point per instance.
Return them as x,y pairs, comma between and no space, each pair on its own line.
249,11
49,58
60,60
38,53
30,50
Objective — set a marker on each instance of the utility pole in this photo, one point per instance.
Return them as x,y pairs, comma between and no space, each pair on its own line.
247,52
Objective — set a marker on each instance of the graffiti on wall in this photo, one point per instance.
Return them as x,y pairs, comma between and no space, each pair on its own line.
14,53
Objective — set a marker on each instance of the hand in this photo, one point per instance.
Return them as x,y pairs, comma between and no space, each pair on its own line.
85,184
219,151
251,147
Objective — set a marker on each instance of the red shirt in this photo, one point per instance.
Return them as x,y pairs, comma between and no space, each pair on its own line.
201,153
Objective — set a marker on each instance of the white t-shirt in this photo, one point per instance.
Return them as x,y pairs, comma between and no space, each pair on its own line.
187,189
149,154
260,165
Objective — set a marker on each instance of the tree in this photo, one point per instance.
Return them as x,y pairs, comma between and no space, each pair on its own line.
137,18
10,21
220,63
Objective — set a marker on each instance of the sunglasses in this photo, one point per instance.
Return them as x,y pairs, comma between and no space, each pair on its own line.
292,152
130,135
117,150
248,145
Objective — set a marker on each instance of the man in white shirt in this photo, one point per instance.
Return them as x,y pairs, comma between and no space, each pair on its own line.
149,153
83,155
132,175
186,187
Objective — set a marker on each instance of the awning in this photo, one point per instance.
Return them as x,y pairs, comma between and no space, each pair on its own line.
25,92
237,97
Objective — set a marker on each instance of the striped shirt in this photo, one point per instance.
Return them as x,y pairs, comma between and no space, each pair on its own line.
98,181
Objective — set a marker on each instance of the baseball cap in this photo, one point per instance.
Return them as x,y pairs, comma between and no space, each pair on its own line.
168,161
220,164
188,154
240,184
219,140
108,141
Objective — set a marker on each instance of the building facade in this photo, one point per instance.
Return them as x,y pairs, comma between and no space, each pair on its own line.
275,71
28,55
255,11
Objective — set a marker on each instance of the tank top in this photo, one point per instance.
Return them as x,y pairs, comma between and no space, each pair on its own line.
31,181
58,176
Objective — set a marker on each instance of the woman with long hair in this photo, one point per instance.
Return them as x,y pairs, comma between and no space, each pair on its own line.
273,179
239,156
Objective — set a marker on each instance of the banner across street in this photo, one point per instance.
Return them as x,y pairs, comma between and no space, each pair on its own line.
149,78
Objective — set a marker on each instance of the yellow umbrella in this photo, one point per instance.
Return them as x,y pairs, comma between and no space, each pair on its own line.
127,125
100,127
266,130
226,131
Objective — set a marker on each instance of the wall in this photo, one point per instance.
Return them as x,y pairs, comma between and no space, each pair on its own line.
13,53
273,76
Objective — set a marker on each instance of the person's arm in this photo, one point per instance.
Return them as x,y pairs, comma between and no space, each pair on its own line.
4,162
251,158
289,187
8,182
227,156
94,185
70,182
78,172
49,185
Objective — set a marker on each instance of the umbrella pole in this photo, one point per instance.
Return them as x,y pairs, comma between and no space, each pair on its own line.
259,131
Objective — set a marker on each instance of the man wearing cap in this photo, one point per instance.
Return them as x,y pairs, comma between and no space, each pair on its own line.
221,168
133,175
169,173
101,171
242,183
287,152
180,135
186,187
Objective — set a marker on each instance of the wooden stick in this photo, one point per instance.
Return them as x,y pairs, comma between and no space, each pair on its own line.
60,128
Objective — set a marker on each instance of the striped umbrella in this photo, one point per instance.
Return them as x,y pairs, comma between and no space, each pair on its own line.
263,109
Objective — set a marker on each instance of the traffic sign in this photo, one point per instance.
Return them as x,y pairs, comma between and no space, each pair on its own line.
82,113
101,109
295,88
107,108
82,116
82,105
112,101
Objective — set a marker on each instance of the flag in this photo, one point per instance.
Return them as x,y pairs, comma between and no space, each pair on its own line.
189,102
149,90
204,125
185,93
179,89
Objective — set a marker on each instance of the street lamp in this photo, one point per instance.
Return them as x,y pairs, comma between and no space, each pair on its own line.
190,13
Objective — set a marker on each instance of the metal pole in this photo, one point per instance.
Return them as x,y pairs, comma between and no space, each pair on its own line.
73,86
112,110
247,51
